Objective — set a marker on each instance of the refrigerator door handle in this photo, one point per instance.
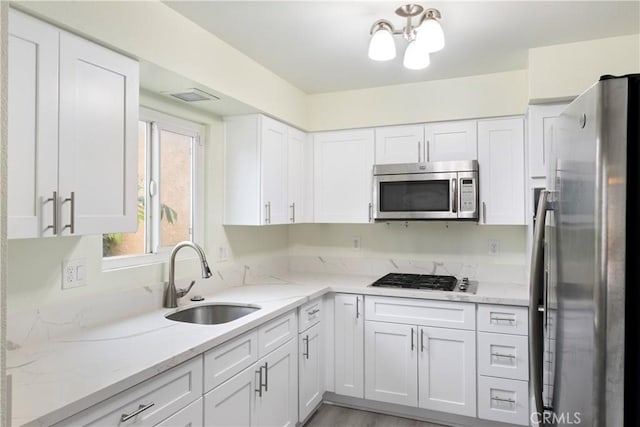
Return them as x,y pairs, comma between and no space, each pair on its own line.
536,309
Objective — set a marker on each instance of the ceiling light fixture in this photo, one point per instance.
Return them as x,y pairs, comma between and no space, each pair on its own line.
425,38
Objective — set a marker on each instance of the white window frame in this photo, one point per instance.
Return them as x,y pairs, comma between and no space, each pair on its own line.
161,121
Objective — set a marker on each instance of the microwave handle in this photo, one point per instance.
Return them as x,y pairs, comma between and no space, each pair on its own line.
454,191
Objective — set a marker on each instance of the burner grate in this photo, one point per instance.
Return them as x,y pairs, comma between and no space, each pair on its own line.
417,281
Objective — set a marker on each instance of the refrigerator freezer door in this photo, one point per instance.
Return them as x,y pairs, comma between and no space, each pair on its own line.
589,173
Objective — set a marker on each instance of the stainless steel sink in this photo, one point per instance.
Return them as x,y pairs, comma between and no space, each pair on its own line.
212,314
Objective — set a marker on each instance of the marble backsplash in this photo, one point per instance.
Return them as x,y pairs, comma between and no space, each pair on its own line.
492,272
41,324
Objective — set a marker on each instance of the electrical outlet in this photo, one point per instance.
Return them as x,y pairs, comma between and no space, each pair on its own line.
223,253
74,273
355,243
494,246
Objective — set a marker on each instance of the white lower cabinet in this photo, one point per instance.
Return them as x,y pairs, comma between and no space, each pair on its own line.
447,370
191,416
503,400
349,345
391,363
310,358
149,402
265,394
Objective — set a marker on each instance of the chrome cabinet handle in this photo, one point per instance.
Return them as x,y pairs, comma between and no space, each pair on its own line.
370,211
501,319
412,339
293,212
266,376
454,190
266,213
72,224
306,343
54,226
426,151
419,145
141,409
357,307
510,356
498,399
421,340
484,213
259,389
311,313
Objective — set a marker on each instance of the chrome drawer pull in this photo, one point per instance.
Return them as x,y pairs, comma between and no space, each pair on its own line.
502,319
498,399
510,356
305,353
141,409
311,313
54,226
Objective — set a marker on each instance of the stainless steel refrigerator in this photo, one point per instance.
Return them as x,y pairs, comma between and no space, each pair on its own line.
584,315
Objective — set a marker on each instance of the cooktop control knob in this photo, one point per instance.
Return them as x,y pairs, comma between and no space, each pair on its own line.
464,284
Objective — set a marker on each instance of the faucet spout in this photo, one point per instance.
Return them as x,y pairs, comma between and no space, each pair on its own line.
171,294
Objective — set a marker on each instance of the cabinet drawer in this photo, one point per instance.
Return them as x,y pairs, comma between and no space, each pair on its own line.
226,360
310,314
276,332
163,394
191,416
504,356
442,314
503,400
503,319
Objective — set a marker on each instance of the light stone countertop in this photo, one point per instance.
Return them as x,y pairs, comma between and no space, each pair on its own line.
56,379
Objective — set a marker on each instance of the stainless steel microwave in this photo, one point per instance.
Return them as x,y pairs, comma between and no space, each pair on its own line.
425,191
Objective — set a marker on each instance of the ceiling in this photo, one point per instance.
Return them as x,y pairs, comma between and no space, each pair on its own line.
322,46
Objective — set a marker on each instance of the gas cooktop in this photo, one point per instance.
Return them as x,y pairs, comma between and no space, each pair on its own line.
424,281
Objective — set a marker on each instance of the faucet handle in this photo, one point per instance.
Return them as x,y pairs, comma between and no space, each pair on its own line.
182,292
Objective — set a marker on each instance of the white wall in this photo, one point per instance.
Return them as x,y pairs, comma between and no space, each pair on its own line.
564,71
34,273
488,95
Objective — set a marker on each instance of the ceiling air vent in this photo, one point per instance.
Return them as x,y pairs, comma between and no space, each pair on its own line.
193,95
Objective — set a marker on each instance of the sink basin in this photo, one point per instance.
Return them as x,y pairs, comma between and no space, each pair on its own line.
212,314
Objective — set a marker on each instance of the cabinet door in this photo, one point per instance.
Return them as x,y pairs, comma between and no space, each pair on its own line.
343,165
299,174
231,404
451,141
191,416
274,171
391,363
311,372
501,163
98,138
447,370
349,345
33,126
541,120
278,404
400,144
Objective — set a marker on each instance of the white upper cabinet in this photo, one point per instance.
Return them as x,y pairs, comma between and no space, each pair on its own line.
73,117
98,138
33,127
299,176
274,152
501,164
343,166
455,140
400,144
266,171
541,120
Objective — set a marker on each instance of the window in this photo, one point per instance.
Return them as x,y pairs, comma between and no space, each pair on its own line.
170,196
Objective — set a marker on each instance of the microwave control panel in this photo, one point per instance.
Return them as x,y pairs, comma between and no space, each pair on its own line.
467,195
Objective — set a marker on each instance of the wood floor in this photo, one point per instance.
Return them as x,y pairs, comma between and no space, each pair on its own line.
337,416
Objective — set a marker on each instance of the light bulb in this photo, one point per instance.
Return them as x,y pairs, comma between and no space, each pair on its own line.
415,57
382,46
430,35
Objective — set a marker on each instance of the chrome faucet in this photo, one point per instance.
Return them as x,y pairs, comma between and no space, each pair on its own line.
171,294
